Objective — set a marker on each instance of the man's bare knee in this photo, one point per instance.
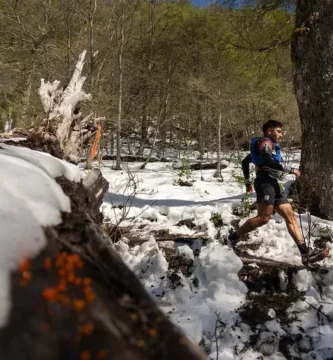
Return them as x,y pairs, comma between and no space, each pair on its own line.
263,220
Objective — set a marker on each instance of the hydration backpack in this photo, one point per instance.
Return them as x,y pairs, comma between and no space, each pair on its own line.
256,156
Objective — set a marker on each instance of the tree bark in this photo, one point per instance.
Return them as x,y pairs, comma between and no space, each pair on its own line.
144,127
312,55
219,125
9,123
120,98
29,73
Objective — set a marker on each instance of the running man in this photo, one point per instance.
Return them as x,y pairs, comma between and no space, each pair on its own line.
265,154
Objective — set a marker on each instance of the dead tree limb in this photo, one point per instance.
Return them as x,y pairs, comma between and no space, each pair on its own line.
64,132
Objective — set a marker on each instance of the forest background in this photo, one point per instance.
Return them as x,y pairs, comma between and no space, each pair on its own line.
206,76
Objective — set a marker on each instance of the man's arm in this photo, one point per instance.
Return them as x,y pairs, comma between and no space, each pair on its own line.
246,172
246,166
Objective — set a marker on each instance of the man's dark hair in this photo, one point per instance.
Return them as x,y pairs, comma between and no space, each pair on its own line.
271,124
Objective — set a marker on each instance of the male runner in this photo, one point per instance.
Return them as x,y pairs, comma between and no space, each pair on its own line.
265,153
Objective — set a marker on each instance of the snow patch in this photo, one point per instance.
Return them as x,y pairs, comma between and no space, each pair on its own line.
30,199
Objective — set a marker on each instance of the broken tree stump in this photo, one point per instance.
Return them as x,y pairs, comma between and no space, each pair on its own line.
64,132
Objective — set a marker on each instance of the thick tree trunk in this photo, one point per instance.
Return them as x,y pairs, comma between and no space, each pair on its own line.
312,55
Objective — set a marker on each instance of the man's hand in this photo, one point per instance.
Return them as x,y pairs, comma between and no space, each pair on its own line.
249,187
296,172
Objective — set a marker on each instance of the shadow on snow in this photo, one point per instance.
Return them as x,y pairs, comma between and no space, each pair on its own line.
118,199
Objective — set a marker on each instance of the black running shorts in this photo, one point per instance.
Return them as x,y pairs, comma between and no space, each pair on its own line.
268,191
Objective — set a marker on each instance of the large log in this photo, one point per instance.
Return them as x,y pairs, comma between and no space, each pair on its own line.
135,158
198,165
82,302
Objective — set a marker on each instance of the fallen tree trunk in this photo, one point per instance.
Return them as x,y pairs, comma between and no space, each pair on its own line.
199,165
132,158
80,301
64,132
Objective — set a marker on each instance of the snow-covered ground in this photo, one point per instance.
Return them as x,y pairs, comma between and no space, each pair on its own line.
207,299
206,302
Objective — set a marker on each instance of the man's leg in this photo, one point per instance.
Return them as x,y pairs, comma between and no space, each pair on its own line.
307,255
265,211
265,205
287,213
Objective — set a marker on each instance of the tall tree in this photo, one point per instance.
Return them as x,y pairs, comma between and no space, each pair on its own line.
312,55
121,41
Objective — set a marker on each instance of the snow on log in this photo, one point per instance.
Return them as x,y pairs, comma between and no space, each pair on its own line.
65,292
64,132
